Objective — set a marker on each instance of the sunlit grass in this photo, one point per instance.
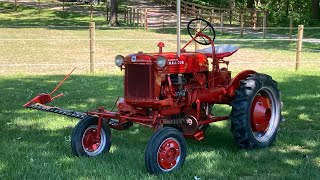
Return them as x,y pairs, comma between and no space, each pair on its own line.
37,141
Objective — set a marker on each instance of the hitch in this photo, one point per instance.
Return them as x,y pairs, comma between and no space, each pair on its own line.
46,98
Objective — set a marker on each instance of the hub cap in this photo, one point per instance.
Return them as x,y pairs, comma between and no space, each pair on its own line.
169,154
265,110
261,113
92,145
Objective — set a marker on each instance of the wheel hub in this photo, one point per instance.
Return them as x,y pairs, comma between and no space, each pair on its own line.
90,142
260,113
169,154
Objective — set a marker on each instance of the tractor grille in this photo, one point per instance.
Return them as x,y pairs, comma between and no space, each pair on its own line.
139,81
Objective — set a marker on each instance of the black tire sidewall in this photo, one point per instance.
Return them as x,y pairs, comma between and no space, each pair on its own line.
151,152
259,82
264,84
78,131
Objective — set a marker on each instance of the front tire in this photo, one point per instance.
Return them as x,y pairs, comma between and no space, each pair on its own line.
256,112
84,141
166,151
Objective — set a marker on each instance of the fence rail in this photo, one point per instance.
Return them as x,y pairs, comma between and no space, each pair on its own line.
251,16
92,48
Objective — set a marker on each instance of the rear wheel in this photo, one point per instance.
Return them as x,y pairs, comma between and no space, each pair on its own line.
166,151
256,112
84,141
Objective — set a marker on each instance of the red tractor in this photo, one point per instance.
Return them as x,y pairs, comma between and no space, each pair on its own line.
173,93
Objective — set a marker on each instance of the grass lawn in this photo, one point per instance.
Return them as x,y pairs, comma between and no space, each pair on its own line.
30,16
36,145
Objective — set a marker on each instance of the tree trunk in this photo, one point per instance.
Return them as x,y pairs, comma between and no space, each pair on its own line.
315,11
250,3
113,6
287,7
231,4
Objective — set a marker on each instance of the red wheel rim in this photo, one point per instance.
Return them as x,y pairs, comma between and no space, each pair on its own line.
260,113
89,140
169,154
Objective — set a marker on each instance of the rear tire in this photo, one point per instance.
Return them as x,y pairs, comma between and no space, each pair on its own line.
256,112
83,140
166,151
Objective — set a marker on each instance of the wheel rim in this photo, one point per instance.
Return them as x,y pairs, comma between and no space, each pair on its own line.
169,154
92,145
264,115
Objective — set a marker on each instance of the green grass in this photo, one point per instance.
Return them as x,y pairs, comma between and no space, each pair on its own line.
30,16
36,145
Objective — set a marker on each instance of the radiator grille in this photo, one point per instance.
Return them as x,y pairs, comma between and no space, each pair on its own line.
139,81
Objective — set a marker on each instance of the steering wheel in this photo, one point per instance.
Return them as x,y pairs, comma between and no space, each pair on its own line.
200,25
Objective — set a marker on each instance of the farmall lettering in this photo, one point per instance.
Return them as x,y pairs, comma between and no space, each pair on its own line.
175,62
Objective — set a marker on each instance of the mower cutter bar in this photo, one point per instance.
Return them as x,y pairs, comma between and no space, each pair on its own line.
56,110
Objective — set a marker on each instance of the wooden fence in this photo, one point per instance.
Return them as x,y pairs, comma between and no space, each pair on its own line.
251,17
92,38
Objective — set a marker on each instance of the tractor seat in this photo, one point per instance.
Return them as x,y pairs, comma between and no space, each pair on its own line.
222,51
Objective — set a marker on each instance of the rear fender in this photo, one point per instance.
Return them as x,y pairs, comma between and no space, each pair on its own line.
235,82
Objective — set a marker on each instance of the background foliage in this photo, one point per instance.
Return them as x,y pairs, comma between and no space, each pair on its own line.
279,10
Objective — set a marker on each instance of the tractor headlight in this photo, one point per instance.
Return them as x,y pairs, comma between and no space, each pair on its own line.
161,61
118,60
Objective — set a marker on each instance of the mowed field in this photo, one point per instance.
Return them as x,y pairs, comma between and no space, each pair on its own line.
35,50
36,145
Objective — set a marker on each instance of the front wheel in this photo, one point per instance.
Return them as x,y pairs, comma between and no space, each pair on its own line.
84,140
256,112
166,151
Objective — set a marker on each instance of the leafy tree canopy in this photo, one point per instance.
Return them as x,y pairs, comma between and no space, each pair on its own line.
303,11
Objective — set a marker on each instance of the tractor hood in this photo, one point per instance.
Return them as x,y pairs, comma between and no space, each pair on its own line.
187,63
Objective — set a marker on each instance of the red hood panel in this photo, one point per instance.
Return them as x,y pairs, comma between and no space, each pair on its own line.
187,63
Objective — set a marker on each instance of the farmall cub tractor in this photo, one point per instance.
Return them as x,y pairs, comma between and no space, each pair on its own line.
173,93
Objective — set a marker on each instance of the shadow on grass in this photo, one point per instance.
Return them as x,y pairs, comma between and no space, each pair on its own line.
37,144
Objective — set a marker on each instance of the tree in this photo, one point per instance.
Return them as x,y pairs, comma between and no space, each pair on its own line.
250,3
113,6
315,10
231,4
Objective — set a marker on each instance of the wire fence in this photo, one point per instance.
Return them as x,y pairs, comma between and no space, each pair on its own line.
57,49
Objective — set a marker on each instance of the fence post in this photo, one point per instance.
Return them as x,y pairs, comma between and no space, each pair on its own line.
92,45
186,9
146,19
39,6
125,16
91,9
199,13
134,16
63,5
264,25
254,19
141,23
299,46
137,16
211,15
241,24
291,27
107,13
221,23
130,11
15,5
193,10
